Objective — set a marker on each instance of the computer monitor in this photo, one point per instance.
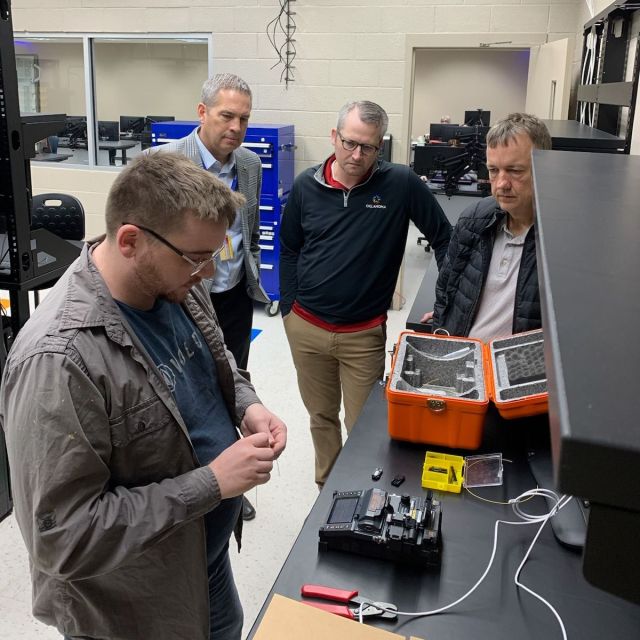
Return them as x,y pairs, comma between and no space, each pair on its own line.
108,130
132,125
149,120
428,158
464,133
442,131
75,131
477,116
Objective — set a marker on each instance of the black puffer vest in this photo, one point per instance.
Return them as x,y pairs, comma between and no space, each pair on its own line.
466,265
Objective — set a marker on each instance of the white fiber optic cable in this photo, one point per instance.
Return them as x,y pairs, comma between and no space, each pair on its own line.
558,503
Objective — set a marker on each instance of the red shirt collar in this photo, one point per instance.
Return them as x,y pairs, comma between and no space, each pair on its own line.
332,182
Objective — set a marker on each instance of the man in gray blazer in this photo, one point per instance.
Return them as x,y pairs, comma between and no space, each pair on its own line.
224,112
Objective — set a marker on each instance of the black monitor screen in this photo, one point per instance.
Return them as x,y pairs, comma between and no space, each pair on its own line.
477,116
151,119
108,130
442,131
464,133
343,510
75,127
132,124
428,158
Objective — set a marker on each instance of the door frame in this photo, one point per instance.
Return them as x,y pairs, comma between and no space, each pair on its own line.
471,41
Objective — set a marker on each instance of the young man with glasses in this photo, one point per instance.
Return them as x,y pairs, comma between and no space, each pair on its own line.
122,411
342,237
224,110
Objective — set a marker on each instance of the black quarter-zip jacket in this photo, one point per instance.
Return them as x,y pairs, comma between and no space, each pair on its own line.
341,251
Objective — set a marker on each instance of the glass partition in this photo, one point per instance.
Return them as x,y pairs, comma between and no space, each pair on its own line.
139,82
51,80
127,83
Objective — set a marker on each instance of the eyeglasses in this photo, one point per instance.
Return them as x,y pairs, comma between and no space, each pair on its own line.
197,266
351,145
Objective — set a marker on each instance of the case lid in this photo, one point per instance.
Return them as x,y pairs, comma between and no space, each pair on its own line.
516,368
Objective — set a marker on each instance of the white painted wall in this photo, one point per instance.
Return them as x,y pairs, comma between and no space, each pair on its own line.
549,82
346,49
451,81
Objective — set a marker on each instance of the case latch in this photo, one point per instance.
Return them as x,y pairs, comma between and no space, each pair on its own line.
436,405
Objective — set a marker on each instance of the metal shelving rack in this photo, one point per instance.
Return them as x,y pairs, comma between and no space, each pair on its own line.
613,31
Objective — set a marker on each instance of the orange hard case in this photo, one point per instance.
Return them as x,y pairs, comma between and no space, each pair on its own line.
458,422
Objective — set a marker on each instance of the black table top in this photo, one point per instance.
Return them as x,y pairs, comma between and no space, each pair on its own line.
497,609
119,144
572,136
52,157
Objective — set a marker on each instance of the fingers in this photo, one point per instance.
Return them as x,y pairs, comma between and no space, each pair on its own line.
279,442
259,439
243,465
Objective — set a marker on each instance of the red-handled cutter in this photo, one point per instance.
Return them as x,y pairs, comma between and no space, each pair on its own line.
360,605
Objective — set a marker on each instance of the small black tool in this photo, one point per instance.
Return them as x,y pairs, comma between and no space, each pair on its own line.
438,469
397,480
377,474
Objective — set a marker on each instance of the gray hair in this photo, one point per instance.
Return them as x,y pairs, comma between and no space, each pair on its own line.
369,112
502,132
212,87
157,190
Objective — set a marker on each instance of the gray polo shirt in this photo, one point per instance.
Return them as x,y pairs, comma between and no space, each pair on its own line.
495,313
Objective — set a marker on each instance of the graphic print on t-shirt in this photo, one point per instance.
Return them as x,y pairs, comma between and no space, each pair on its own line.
184,350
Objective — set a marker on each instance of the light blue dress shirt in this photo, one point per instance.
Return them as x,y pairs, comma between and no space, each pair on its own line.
228,272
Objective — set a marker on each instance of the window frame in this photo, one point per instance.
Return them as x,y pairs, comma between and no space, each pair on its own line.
88,53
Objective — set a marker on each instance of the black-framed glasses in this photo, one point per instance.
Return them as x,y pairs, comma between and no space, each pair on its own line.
351,145
197,266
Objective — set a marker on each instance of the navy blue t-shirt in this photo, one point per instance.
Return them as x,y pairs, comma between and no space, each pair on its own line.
180,352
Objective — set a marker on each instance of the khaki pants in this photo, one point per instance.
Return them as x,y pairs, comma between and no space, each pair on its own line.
331,366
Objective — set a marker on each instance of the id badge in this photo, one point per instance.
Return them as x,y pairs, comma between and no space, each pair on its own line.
227,252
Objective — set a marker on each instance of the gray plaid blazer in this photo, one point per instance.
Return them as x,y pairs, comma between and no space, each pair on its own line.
249,170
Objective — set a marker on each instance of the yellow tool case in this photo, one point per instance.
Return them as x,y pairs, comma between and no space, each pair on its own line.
440,386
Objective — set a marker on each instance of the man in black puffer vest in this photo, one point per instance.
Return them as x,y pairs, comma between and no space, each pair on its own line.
488,286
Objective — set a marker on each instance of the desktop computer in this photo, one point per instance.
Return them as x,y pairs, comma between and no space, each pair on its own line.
108,130
430,158
74,133
131,127
149,120
442,131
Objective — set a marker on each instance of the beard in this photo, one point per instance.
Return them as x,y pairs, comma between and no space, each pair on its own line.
149,280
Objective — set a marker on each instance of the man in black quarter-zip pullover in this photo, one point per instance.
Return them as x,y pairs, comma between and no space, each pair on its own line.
342,237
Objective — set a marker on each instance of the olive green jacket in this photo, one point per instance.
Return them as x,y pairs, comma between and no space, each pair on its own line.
107,489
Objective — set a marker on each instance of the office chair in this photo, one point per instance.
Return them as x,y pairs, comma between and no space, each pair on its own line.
52,144
60,214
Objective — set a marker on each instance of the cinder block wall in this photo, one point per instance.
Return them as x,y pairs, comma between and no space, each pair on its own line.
346,49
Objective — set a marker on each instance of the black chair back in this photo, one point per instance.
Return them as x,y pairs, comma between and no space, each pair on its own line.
59,213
